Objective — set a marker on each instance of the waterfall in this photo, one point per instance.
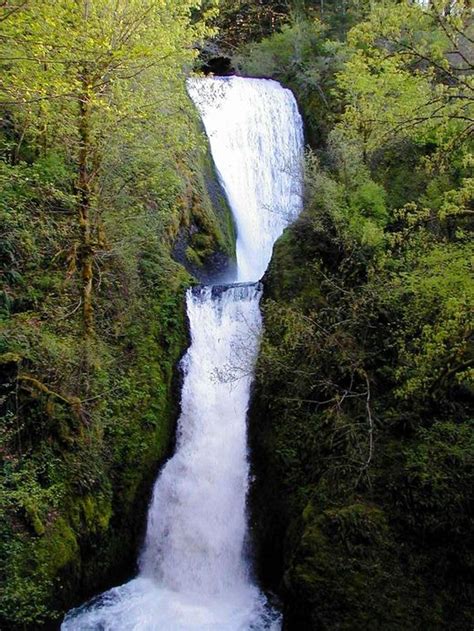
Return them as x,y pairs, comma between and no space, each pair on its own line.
194,573
255,133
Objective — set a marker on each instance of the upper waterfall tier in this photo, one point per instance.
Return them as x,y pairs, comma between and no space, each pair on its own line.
256,137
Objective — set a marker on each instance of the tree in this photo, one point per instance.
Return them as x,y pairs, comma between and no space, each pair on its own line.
410,76
77,73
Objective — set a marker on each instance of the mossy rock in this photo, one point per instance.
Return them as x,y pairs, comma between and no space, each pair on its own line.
41,571
345,573
205,241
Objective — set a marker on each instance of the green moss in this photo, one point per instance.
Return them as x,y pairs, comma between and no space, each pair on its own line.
33,518
7,358
207,221
220,204
58,548
34,574
193,257
346,569
92,513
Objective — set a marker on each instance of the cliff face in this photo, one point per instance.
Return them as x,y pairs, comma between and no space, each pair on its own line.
361,500
87,423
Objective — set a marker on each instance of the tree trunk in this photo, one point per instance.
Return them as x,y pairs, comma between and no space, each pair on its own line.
84,190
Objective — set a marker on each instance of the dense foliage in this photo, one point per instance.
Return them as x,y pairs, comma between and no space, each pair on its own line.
102,170
362,420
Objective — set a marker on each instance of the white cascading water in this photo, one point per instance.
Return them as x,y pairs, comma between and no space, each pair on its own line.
194,572
255,132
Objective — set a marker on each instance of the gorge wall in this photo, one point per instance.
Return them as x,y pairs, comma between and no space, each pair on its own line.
86,442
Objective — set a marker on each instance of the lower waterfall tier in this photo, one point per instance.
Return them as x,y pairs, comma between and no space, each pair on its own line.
194,573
